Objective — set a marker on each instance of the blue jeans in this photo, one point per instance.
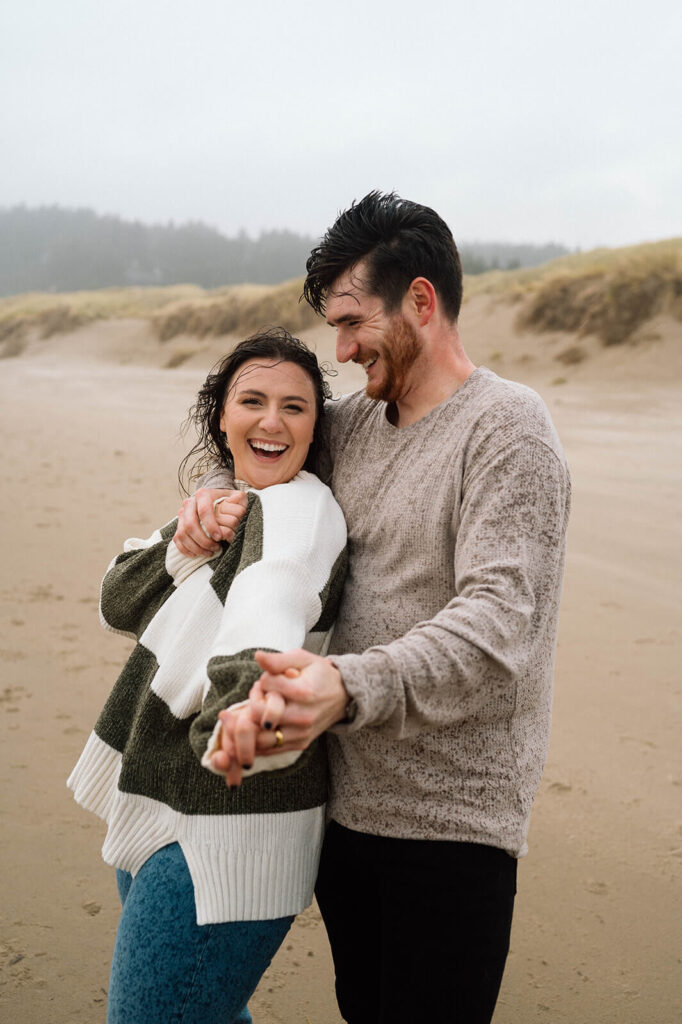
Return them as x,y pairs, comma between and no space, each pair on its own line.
166,968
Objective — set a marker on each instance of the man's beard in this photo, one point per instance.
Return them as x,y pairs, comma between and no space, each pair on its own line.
400,350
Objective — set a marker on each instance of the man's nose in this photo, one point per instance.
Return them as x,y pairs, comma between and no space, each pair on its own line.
346,348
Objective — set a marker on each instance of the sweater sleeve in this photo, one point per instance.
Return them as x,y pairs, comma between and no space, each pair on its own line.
288,583
509,551
141,578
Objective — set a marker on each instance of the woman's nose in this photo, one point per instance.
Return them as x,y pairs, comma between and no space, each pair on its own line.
271,419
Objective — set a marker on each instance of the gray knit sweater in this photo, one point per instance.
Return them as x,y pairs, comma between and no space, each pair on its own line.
447,628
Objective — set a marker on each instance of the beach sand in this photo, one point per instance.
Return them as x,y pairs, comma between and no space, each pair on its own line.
90,449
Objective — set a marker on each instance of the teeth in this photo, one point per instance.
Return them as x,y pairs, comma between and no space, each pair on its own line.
267,446
369,362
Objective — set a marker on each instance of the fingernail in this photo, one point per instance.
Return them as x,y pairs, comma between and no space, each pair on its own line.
216,536
267,725
246,767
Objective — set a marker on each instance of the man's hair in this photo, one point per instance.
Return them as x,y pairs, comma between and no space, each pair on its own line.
398,240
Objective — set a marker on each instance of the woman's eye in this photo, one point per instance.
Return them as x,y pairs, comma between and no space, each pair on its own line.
294,408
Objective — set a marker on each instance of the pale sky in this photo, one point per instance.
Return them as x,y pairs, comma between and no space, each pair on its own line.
526,121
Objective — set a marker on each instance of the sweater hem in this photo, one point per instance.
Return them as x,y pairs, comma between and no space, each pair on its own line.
244,867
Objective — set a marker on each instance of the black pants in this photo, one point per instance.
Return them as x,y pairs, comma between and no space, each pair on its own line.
419,930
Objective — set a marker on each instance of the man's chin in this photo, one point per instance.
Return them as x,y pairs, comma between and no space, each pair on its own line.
376,389
380,391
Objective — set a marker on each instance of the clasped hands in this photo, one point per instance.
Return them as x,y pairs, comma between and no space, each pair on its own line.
298,696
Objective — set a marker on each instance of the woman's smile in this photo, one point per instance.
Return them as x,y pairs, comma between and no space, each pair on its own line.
269,419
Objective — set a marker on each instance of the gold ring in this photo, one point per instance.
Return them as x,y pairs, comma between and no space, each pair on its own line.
279,738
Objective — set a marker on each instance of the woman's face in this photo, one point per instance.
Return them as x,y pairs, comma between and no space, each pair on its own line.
268,418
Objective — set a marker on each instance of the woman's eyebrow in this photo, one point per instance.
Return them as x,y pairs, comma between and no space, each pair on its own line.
284,398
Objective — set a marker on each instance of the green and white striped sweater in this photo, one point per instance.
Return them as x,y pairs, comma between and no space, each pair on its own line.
253,851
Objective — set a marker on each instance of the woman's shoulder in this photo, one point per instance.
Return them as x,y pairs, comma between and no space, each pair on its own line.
304,491
304,504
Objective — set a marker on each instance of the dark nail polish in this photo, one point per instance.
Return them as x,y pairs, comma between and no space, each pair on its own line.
267,725
247,766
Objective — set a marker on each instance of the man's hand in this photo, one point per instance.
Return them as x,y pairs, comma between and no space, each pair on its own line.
202,524
297,698
313,693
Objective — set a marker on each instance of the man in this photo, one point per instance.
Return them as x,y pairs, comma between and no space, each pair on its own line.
437,690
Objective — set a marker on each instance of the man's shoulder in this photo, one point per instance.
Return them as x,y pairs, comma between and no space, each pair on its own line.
500,392
505,410
342,418
348,405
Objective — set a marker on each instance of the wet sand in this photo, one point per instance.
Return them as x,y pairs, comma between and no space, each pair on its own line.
90,450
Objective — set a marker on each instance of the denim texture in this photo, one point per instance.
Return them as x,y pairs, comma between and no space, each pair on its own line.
166,969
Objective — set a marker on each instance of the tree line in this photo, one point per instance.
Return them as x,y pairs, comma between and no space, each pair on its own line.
53,249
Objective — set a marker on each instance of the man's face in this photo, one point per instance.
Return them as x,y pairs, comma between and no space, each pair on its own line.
387,346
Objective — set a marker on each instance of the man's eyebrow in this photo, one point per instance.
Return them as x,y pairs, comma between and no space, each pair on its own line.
345,318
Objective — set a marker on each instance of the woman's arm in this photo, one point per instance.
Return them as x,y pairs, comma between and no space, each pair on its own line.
286,586
141,578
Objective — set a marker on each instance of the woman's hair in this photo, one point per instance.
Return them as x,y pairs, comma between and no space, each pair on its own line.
211,448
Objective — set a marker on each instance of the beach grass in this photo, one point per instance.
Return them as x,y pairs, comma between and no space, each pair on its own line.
609,293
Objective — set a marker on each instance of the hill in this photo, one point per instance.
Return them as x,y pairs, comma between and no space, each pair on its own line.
602,298
61,250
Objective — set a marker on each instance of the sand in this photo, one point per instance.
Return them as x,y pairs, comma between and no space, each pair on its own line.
90,449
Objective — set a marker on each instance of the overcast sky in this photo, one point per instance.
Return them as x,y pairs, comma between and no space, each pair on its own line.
518,121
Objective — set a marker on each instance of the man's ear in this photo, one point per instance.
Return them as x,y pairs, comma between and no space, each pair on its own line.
421,299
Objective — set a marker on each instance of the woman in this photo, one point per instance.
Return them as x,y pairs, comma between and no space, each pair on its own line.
211,878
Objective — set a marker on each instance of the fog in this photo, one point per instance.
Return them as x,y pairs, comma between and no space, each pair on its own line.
528,122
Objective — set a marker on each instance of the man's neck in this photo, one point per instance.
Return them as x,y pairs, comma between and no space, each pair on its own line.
439,384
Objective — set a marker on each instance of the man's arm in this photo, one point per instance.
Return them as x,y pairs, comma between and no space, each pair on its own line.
508,566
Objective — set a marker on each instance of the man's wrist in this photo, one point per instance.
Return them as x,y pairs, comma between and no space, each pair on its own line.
349,712
348,709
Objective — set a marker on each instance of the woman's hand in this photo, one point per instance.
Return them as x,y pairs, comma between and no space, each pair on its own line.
247,731
207,518
238,738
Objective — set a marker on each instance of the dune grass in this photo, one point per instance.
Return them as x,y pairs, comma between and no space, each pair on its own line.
181,309
56,314
606,292
238,311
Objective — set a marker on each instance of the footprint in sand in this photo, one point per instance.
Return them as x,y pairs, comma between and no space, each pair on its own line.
11,695
9,655
560,787
44,593
597,888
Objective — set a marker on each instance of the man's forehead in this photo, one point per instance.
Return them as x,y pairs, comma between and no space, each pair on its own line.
352,282
348,293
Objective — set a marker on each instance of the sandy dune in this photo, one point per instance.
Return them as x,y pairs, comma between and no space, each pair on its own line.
90,450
